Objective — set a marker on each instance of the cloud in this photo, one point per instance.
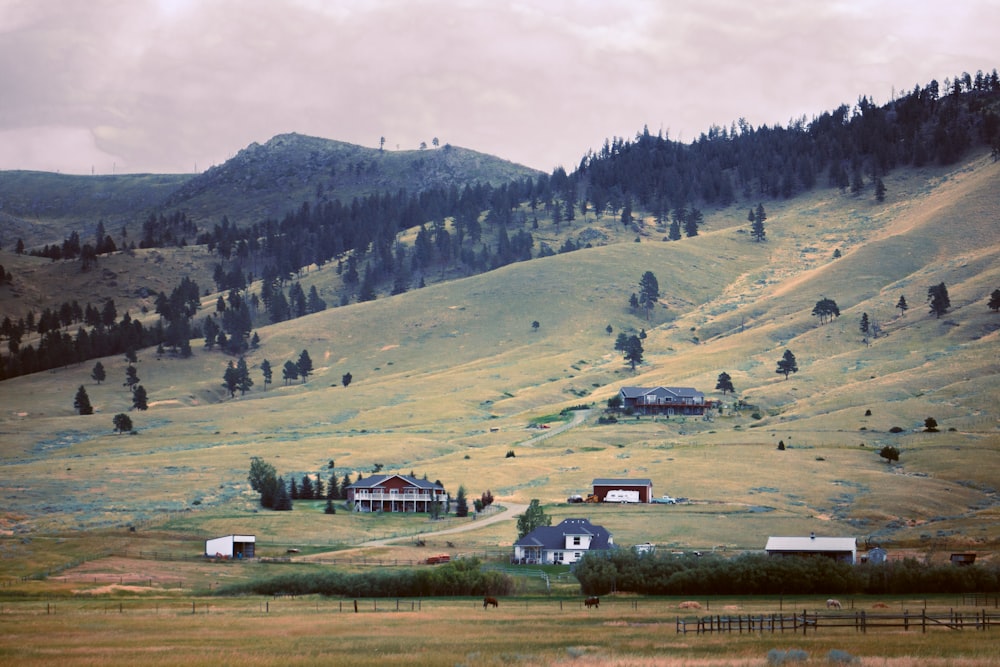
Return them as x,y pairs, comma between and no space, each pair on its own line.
174,85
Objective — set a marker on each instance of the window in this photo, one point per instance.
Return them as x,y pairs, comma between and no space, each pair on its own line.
576,540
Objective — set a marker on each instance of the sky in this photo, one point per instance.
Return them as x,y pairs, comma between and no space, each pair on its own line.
177,86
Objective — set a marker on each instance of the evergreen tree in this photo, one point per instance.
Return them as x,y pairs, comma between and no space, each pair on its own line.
674,234
725,383
304,365
230,379
787,365
131,377
865,326
290,372
243,379
994,302
346,379
937,295
461,503
282,498
649,292
319,492
123,422
139,400
306,491
333,487
267,371
98,374
345,484
633,351
82,402
902,305
329,509
757,218
826,310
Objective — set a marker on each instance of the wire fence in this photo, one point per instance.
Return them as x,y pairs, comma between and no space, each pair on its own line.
860,621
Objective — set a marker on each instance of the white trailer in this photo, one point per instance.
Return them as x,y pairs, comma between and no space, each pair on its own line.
621,496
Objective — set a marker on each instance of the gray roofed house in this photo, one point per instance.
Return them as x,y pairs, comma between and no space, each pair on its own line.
664,400
565,543
843,549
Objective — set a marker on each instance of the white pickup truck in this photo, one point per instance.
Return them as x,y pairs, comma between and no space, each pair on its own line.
621,496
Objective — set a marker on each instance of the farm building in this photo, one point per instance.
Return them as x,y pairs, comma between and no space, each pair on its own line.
842,549
231,546
604,485
565,543
668,401
395,493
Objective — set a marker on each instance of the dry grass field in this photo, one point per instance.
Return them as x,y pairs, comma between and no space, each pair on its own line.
450,378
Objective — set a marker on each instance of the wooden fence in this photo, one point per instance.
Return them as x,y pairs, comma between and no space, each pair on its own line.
860,621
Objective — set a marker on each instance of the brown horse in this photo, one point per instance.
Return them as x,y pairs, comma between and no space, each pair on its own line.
593,601
487,601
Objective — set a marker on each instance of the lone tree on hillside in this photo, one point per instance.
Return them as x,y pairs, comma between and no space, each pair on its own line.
532,518
99,374
826,310
82,402
865,327
902,305
889,453
725,383
131,377
649,292
230,379
994,302
633,351
787,365
930,425
123,423
937,295
757,218
139,398
346,379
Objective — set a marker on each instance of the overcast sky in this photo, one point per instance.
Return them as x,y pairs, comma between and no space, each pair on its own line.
175,86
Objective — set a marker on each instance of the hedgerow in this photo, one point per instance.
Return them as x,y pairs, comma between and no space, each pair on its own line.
757,574
459,577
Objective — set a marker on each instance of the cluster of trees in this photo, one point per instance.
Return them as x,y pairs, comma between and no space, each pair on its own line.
72,248
462,576
826,309
755,574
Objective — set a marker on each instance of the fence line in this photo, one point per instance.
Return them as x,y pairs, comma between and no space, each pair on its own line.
860,621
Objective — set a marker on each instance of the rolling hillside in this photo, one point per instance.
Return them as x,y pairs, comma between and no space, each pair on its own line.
448,378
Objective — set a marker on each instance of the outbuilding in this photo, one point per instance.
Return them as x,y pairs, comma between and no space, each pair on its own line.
231,546
604,485
840,549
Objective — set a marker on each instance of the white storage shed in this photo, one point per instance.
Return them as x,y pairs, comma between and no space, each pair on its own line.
231,546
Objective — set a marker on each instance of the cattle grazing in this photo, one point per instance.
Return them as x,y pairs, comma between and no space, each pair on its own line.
833,604
487,601
593,601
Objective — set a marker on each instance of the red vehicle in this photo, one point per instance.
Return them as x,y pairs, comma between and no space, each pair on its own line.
437,560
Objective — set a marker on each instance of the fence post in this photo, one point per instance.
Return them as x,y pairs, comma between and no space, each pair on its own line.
923,620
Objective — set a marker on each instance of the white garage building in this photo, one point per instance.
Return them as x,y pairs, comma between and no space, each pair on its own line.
231,546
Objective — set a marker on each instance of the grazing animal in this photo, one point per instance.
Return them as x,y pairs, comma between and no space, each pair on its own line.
487,601
689,604
833,604
593,601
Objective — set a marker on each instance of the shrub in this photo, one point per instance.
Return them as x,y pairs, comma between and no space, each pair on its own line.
889,453
837,657
510,454
895,429
755,415
776,657
930,425
781,445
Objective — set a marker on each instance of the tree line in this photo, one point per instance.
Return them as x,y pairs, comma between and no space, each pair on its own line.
626,571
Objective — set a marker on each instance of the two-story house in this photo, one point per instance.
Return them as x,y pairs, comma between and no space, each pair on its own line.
664,401
395,493
565,543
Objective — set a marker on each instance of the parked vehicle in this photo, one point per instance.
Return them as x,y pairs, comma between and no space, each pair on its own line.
575,498
591,498
665,500
621,496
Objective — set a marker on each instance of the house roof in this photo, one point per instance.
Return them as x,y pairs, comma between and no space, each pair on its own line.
635,392
377,480
611,481
818,544
554,537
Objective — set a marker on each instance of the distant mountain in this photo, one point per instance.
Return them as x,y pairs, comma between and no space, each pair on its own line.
262,181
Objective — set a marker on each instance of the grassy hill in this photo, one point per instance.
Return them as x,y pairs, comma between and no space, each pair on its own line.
261,181
448,379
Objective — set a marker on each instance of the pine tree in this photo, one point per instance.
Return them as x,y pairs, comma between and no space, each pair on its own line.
306,491
937,295
131,377
98,374
304,365
267,371
282,498
649,292
243,379
290,372
757,218
787,365
82,402
994,302
725,383
230,378
865,326
461,503
122,422
902,305
139,400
